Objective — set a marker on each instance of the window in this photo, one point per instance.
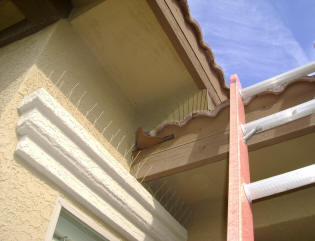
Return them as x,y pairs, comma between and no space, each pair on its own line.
70,228
69,224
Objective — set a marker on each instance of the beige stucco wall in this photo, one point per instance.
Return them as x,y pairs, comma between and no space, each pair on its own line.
208,221
15,60
55,56
290,208
292,211
67,61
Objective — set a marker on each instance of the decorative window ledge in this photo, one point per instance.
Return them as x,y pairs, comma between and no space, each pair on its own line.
55,144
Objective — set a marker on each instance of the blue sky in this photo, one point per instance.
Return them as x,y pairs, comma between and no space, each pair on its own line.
257,39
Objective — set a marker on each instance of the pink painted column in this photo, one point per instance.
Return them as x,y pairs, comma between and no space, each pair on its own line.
240,220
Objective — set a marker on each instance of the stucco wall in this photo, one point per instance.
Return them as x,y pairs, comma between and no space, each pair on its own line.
15,60
57,57
27,198
208,221
292,212
66,61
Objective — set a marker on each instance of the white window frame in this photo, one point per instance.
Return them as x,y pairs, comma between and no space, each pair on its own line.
63,204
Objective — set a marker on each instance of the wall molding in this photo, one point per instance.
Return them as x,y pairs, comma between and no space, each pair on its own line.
55,144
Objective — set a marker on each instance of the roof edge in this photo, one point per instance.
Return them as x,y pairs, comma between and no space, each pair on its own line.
186,37
214,113
207,51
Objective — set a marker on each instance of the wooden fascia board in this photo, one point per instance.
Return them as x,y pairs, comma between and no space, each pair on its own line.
205,139
213,148
184,39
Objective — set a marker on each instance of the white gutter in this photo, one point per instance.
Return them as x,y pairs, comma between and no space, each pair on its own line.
280,183
279,118
278,80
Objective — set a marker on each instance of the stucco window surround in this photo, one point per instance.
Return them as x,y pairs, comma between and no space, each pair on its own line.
55,144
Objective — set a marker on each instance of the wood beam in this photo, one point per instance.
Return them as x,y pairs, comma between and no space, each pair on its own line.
210,149
17,31
204,140
42,11
240,216
38,14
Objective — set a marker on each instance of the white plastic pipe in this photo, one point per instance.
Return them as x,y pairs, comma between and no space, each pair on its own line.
280,118
280,183
278,80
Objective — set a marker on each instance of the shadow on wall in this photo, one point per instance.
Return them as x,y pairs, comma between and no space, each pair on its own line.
15,61
294,230
83,106
66,62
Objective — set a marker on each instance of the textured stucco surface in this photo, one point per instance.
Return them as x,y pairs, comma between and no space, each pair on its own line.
15,61
55,144
208,221
66,61
293,211
27,198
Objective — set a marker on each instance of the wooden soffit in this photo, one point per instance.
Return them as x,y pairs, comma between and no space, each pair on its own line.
186,36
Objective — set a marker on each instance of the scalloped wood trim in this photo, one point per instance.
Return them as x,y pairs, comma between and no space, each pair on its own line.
183,4
212,114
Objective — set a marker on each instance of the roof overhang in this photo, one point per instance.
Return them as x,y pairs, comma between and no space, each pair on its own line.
185,34
153,50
